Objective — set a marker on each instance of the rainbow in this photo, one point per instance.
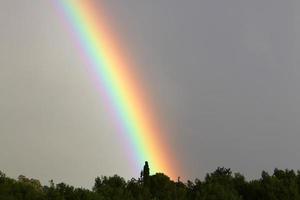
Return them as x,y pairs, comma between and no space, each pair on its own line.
125,96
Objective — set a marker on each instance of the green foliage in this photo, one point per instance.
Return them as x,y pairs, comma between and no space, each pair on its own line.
111,188
161,187
221,184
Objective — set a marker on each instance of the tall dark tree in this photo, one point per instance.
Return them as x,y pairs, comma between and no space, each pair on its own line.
146,173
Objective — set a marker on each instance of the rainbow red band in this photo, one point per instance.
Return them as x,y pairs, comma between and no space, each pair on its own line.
127,98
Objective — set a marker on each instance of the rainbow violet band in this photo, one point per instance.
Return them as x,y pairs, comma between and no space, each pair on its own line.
113,71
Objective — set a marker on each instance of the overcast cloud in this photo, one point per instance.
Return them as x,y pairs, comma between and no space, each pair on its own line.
224,73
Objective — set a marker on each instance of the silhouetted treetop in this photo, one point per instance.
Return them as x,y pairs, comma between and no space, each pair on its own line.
221,184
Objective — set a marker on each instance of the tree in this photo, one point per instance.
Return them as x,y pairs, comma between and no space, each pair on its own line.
145,174
161,187
110,187
219,185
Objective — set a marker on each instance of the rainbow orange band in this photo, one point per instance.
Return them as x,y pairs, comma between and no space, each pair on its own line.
126,96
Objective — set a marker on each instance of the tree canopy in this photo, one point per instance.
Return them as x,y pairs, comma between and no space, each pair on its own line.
221,184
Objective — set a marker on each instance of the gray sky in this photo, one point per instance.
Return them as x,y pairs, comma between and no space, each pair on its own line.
224,73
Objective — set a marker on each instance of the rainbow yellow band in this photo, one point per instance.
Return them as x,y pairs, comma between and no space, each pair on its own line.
126,96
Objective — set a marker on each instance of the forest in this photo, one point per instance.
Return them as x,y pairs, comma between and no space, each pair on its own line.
222,184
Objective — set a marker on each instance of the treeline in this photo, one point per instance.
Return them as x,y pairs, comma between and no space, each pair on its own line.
221,184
